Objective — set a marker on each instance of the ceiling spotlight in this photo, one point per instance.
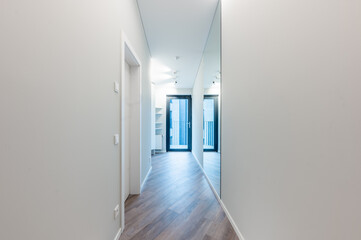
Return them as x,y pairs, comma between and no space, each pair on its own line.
177,57
175,82
214,82
175,72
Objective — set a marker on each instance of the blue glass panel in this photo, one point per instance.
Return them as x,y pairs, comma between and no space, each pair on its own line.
208,124
179,124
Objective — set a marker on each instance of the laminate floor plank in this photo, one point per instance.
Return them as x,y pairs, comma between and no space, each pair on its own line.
177,203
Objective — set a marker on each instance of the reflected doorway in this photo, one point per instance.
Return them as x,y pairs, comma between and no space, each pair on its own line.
179,119
210,123
211,141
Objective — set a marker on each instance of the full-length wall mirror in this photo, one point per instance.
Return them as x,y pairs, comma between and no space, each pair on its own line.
212,104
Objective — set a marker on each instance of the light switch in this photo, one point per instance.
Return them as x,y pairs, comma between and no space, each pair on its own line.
116,139
116,87
116,211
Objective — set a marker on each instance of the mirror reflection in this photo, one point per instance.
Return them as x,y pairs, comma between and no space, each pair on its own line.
211,104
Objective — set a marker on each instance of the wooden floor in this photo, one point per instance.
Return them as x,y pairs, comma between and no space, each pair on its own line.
176,203
212,167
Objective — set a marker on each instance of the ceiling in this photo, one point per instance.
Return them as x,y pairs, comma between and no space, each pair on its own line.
177,28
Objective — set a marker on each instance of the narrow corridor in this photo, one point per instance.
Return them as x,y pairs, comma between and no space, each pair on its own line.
176,203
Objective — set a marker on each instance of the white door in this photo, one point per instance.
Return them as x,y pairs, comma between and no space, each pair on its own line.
126,130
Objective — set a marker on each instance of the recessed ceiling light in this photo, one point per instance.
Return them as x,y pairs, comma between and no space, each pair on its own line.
177,57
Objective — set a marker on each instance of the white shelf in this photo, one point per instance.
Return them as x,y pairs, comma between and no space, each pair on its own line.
159,142
158,125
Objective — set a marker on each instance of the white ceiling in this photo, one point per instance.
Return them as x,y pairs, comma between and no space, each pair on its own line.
178,28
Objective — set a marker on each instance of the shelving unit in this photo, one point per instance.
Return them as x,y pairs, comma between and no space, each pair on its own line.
159,111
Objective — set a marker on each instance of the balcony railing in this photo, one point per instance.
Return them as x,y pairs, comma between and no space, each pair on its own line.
208,134
178,133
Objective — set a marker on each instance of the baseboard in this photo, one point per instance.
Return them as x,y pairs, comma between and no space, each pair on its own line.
145,179
197,160
118,234
239,234
160,151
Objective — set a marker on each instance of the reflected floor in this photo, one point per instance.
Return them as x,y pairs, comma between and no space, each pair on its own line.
212,167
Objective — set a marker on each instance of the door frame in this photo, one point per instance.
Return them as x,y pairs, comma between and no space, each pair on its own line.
128,55
216,117
169,97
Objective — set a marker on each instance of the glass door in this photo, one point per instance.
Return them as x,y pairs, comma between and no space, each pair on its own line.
210,123
179,123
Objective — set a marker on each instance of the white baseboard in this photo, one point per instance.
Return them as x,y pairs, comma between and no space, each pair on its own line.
239,234
118,234
145,179
197,160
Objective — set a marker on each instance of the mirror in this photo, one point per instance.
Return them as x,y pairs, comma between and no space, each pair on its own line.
211,104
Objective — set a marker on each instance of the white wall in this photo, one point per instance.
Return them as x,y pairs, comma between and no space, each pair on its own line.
291,123
59,168
197,115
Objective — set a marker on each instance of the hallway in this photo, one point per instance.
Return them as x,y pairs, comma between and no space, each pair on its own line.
176,203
